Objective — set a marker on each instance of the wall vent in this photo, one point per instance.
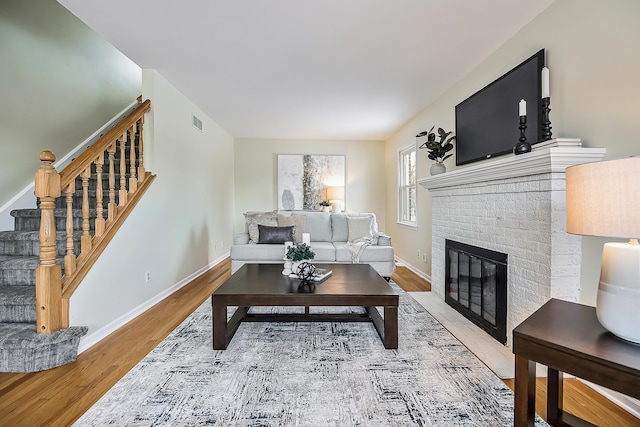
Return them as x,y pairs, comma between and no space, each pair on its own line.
197,123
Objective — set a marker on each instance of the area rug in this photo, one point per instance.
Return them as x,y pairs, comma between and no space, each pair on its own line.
308,374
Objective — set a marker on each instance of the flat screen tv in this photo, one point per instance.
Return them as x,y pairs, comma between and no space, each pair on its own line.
487,123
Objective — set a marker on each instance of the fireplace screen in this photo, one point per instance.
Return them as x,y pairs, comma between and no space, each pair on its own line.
476,286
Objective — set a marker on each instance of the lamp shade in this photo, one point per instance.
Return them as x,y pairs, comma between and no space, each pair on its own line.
603,198
335,193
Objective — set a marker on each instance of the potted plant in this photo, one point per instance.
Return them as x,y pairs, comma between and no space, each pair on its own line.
298,253
325,205
437,150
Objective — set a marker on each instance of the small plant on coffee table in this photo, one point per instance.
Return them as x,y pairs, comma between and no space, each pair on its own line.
300,252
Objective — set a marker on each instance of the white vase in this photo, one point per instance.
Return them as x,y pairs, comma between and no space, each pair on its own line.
287,267
294,266
438,168
325,209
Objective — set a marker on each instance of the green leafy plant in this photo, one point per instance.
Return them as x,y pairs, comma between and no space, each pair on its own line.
325,203
300,252
437,149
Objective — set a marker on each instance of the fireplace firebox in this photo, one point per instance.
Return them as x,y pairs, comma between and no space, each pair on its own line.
476,286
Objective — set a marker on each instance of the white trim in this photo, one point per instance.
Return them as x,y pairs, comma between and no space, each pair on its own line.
550,156
409,225
62,162
93,338
419,273
399,186
627,403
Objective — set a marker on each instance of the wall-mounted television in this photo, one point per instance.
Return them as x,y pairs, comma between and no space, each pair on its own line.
487,123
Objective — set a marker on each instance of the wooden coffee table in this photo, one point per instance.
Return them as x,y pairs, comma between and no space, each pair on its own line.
264,285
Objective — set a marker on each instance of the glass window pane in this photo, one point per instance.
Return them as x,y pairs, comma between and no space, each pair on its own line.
475,284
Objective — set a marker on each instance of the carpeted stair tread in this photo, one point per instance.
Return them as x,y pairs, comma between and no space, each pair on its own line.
21,335
18,304
27,243
19,262
17,295
59,212
29,219
20,270
24,350
33,235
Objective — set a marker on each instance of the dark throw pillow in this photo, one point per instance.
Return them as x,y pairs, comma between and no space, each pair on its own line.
274,235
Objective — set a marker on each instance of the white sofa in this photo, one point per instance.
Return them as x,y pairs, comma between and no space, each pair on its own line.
330,235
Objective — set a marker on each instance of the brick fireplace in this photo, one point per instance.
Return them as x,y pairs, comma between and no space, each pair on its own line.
514,205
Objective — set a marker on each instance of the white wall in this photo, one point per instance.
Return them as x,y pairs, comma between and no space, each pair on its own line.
181,225
256,167
59,82
592,52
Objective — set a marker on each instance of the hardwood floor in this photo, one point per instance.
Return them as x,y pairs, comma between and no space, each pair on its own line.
59,396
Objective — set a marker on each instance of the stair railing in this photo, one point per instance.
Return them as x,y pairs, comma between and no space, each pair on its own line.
53,289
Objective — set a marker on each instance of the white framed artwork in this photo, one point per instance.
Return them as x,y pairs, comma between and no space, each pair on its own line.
304,180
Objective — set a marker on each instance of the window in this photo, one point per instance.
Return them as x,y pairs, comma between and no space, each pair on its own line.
407,188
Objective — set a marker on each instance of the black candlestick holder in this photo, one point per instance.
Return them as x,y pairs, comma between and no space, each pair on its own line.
522,146
546,123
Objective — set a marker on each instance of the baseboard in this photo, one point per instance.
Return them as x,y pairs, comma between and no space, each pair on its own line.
627,403
413,269
95,337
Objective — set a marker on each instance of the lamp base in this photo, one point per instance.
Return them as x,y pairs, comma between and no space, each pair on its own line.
619,290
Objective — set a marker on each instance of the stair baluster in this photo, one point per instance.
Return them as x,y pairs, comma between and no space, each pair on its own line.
99,209
122,195
133,182
85,240
141,171
111,208
70,256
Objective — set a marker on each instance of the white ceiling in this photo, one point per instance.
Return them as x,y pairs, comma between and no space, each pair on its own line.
303,69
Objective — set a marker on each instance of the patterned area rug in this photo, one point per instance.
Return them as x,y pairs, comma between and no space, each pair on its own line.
308,374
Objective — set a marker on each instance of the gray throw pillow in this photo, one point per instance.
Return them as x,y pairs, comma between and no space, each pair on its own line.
298,221
359,228
275,235
255,218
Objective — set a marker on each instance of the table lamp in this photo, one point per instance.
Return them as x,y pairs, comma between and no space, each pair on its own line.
336,196
603,199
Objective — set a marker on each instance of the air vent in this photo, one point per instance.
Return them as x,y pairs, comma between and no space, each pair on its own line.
197,123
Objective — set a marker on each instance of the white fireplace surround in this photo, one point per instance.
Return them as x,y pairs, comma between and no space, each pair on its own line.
514,205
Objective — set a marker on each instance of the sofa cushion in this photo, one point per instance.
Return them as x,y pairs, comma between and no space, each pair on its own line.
255,218
359,228
318,225
298,221
370,254
275,235
257,253
340,228
325,251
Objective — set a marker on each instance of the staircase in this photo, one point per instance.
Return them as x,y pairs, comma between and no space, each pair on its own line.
32,341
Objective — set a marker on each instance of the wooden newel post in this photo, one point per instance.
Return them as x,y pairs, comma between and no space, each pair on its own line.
48,274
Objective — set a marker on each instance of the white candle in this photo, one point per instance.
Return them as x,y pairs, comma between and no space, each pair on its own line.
545,82
522,107
306,238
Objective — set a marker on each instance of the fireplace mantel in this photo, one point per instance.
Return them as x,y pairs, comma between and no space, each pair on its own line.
554,155
514,205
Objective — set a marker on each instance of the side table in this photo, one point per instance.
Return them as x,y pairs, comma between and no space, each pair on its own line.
567,337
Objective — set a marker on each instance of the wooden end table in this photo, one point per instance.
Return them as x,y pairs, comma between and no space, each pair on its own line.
567,337
264,285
